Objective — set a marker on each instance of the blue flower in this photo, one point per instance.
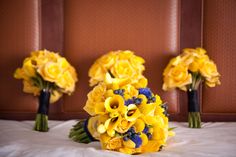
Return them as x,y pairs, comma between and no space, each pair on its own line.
137,140
145,130
145,91
129,101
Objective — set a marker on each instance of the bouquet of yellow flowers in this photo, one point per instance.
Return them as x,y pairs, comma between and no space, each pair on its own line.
124,116
47,75
119,65
186,72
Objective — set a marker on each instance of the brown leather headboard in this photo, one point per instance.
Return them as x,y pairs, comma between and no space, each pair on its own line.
83,30
19,34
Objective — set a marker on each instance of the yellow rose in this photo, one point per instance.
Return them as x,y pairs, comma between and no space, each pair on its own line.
209,69
124,126
95,101
213,81
66,82
123,69
107,60
177,76
28,87
151,146
28,67
50,71
55,95
114,143
96,74
20,74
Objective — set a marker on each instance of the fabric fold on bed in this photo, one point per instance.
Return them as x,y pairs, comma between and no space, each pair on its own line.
17,139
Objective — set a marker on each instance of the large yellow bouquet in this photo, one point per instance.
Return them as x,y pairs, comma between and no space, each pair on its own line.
124,116
47,75
186,72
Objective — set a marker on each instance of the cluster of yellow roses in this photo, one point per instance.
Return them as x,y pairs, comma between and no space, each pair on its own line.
127,119
45,69
120,65
187,70
125,115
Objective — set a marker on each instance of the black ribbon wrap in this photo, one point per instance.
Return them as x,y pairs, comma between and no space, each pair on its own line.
193,102
44,99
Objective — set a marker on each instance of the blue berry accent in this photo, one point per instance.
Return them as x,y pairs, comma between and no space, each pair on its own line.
149,135
125,138
116,91
119,92
145,91
137,101
129,101
137,140
145,130
153,99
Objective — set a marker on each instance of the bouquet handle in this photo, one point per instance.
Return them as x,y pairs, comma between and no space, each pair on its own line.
41,121
194,118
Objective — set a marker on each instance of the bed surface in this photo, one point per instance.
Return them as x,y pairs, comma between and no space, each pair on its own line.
18,139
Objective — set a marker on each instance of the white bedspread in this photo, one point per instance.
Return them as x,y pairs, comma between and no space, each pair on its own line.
17,139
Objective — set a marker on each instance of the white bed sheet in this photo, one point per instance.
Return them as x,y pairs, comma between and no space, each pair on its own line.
17,139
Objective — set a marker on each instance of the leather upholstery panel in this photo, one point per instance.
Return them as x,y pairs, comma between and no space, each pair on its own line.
19,35
219,38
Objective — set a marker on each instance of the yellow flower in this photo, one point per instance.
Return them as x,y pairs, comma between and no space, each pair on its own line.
209,69
55,95
93,125
122,69
107,60
177,76
124,125
96,99
132,113
114,143
129,144
139,125
130,91
212,82
66,82
144,139
151,146
50,71
96,74
28,87
115,104
116,83
160,134
111,125
120,64
28,68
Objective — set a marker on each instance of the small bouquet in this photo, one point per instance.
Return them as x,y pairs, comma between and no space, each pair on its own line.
186,72
125,115
47,75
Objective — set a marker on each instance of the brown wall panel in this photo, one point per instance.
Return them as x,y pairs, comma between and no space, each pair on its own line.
19,35
219,38
92,28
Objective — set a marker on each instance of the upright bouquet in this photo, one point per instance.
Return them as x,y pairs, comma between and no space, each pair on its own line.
47,75
186,72
125,115
120,66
